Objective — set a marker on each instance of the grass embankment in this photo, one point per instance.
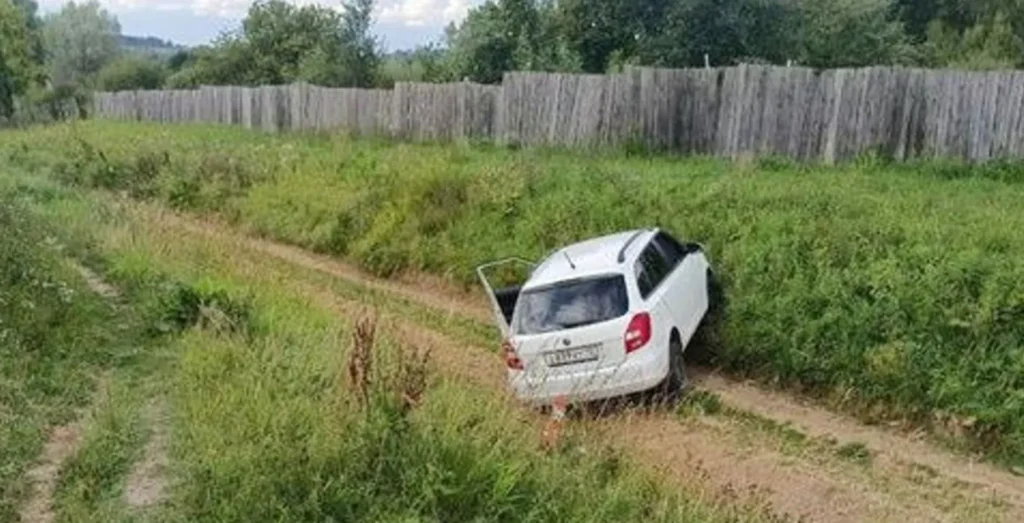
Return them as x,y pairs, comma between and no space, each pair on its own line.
265,418
898,290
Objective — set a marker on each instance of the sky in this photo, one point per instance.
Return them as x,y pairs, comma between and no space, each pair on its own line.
402,24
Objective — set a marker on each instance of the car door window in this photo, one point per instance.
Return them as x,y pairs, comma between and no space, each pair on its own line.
651,269
643,280
671,249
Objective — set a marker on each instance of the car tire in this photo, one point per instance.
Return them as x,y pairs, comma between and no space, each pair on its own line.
676,380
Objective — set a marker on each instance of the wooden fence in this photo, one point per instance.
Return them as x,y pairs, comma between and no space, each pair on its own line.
826,116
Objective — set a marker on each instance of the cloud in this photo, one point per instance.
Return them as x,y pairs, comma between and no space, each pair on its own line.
401,23
229,8
456,10
417,13
409,13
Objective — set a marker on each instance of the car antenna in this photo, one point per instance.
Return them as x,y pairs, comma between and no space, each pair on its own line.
571,264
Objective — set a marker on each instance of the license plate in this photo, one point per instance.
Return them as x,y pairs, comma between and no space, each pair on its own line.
572,356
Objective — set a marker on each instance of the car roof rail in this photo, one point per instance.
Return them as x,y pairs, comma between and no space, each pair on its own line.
625,247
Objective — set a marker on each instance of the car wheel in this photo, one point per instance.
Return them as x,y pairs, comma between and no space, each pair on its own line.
676,380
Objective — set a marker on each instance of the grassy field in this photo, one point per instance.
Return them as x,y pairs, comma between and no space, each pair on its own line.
895,290
264,415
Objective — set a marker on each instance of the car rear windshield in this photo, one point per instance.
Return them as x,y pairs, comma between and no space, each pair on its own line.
571,304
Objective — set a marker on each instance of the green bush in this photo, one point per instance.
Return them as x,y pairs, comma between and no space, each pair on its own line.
892,286
34,295
202,181
132,72
181,306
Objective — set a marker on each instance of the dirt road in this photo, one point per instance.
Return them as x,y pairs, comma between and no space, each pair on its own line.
763,448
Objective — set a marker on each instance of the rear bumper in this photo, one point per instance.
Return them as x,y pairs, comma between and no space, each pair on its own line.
640,371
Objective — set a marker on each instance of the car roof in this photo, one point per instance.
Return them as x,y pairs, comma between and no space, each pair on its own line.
589,258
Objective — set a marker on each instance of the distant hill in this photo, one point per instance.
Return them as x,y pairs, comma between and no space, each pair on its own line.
149,45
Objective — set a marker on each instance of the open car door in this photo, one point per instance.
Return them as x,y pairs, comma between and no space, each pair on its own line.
503,280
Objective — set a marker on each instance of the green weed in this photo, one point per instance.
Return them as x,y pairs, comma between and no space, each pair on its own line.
856,452
56,338
266,425
92,480
699,402
893,286
183,306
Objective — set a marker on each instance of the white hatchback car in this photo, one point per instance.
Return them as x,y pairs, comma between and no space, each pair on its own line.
603,318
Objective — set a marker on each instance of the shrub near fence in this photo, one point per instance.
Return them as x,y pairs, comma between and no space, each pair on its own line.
825,116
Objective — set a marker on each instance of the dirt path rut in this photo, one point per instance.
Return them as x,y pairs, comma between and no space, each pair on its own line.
886,446
62,444
147,484
904,480
64,440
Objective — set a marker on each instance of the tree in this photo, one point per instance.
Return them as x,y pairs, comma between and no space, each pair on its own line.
989,44
17,68
726,31
228,61
132,73
179,60
80,40
34,24
348,55
482,48
281,35
360,48
542,45
280,43
432,59
977,34
506,35
597,30
426,63
920,16
852,33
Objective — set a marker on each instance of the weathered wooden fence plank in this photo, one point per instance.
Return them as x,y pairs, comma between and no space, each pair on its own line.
827,116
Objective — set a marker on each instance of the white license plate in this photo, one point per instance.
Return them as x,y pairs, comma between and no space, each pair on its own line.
572,356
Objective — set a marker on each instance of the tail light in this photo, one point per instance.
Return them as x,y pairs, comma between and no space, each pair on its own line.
512,361
638,333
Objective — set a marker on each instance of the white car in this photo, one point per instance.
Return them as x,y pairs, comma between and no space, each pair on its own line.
603,318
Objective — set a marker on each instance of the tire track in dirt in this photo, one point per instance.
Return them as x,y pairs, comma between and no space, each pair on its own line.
63,442
421,288
147,482
95,283
707,454
820,423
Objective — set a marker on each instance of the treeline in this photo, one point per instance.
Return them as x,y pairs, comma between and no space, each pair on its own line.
76,50
47,62
594,36
279,43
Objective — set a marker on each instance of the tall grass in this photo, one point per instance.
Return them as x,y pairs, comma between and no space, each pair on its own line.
267,424
897,289
56,338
